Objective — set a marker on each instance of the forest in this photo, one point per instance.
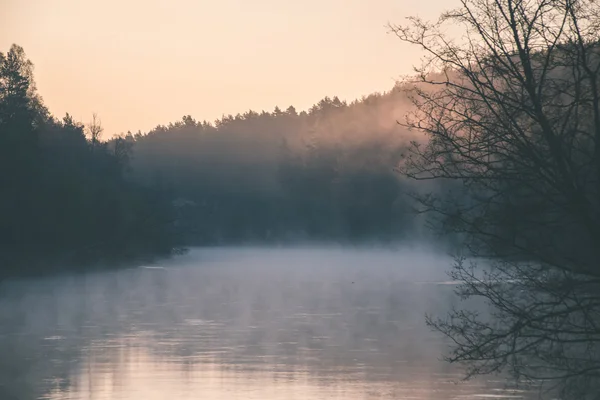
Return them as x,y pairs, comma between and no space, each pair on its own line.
66,197
326,174
73,196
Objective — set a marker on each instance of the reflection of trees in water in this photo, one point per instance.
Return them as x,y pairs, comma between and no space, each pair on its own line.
34,357
47,327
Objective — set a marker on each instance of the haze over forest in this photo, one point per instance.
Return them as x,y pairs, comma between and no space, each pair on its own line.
317,165
325,174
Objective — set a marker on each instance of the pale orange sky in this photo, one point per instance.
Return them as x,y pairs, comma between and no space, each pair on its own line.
139,63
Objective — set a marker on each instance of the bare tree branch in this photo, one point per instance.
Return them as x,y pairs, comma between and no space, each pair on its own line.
512,112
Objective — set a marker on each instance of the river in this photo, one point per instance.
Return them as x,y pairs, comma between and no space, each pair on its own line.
237,323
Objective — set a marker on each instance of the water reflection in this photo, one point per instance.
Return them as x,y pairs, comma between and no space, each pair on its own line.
137,374
245,324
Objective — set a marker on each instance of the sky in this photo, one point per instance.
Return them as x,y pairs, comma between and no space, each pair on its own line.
140,63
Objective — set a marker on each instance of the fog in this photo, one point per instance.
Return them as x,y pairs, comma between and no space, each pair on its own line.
270,322
324,174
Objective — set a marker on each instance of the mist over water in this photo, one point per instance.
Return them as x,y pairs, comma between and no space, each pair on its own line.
227,323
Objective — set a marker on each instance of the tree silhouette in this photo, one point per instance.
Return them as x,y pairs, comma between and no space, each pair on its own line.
512,112
66,200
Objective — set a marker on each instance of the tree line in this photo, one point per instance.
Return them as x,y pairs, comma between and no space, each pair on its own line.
325,174
71,197
66,197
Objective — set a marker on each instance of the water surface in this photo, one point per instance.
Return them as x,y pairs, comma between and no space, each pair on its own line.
236,324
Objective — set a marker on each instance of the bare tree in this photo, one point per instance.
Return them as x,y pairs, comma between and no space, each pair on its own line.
511,107
95,129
